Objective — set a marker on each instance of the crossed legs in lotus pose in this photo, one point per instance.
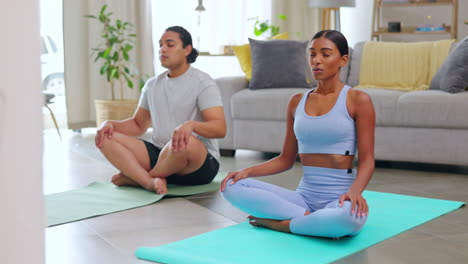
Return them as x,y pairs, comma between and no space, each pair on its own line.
130,156
285,210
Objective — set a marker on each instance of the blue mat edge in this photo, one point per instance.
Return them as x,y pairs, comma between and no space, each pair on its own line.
455,205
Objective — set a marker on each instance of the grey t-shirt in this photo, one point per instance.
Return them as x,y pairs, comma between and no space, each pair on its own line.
173,101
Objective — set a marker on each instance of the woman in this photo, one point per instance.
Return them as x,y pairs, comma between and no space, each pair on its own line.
325,126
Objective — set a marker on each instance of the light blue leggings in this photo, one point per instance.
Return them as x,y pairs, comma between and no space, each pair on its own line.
327,219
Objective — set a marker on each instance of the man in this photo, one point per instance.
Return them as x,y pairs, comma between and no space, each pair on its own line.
184,106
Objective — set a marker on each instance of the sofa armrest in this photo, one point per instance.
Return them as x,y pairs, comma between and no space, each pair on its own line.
228,87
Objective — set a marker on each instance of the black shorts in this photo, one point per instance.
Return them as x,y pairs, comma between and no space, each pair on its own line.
205,174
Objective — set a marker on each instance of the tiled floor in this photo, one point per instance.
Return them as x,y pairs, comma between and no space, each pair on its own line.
113,238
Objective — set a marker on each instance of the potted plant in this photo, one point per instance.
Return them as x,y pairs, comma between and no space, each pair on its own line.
261,27
114,55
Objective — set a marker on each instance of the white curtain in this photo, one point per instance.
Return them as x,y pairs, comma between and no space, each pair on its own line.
82,79
302,21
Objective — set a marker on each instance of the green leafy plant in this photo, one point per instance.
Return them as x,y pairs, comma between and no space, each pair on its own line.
113,53
261,27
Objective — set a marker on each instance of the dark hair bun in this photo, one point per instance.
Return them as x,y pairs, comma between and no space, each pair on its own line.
192,57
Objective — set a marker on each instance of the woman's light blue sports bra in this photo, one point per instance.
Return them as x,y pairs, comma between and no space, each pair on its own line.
331,133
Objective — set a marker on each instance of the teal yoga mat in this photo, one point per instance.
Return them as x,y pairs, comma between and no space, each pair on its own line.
243,244
104,198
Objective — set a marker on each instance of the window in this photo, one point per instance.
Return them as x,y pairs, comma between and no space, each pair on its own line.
224,22
52,66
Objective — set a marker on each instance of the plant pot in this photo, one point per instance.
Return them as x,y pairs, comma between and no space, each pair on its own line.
114,110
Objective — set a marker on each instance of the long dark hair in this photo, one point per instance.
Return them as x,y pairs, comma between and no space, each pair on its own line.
337,38
186,40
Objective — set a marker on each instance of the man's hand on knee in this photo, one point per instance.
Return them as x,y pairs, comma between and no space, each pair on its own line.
181,136
106,130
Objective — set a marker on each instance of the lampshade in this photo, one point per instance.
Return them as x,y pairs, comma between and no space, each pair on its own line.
200,7
332,3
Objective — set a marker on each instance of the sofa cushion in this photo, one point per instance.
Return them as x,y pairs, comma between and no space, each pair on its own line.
432,109
264,104
279,64
344,72
355,64
385,104
452,75
242,53
436,86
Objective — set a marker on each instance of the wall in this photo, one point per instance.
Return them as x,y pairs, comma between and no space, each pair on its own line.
21,200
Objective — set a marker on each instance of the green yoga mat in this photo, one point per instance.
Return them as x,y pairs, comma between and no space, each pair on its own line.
104,198
243,244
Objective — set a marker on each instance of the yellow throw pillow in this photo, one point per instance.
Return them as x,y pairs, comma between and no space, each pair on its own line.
401,66
245,59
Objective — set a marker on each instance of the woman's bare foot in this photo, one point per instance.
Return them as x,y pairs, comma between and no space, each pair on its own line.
160,185
278,225
121,180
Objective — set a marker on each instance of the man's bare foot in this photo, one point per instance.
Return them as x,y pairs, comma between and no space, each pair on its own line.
121,180
278,225
160,185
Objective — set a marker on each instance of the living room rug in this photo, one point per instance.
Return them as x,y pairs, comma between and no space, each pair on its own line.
103,198
391,214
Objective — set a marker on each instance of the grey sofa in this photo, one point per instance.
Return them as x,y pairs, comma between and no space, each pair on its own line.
429,126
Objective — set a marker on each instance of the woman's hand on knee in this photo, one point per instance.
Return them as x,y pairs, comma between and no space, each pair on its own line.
105,130
358,203
235,176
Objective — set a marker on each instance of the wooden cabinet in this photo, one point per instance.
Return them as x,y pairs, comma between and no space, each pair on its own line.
380,29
